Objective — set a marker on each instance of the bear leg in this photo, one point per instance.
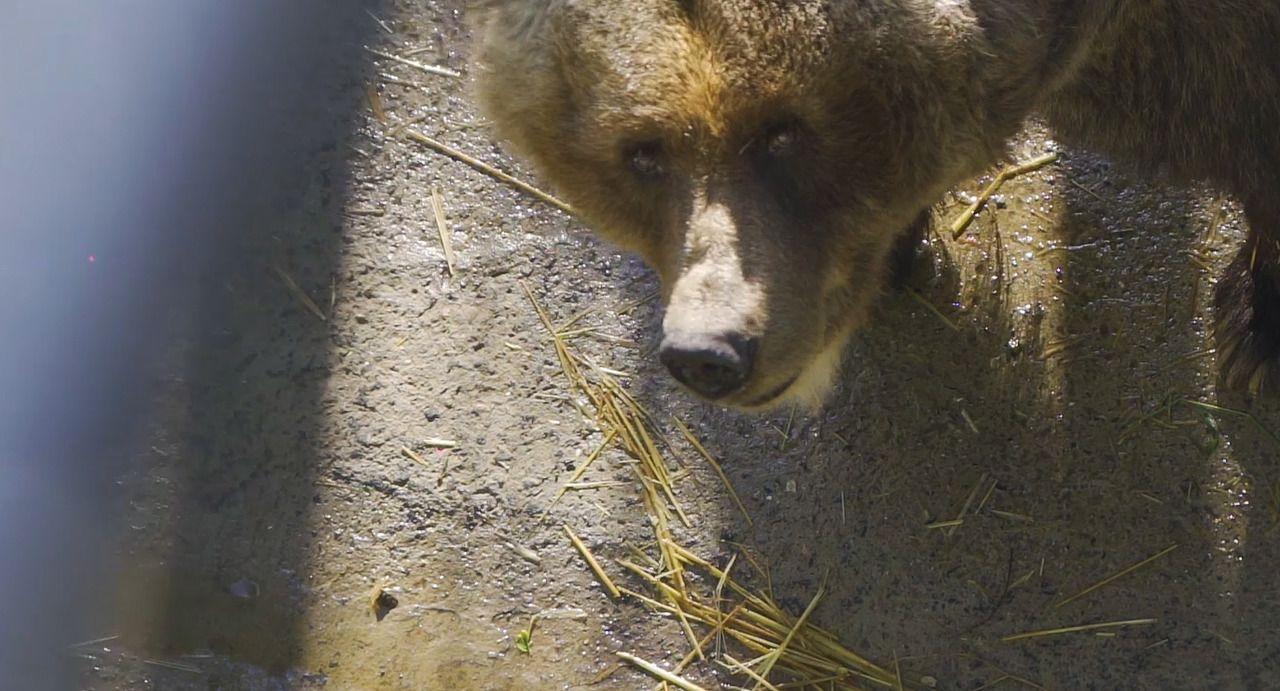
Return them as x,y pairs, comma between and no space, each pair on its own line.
1247,305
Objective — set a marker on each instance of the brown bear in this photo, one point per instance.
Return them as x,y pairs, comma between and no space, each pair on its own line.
766,155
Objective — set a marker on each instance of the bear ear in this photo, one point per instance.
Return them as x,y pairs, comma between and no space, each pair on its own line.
510,30
519,78
520,17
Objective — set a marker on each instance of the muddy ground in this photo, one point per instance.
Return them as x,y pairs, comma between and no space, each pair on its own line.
1047,381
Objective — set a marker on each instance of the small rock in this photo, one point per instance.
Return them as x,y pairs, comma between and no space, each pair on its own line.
244,589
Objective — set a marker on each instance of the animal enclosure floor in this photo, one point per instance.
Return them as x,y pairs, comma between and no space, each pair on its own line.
1036,416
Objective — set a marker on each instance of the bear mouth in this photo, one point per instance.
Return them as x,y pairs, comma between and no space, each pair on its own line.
772,395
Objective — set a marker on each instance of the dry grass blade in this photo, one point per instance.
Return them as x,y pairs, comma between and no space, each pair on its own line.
744,668
1074,629
95,641
381,24
606,673
414,455
771,659
429,69
300,294
599,484
169,664
524,553
697,445
1117,576
591,458
1209,407
487,169
437,206
928,304
968,502
660,673
375,103
962,222
1166,409
595,565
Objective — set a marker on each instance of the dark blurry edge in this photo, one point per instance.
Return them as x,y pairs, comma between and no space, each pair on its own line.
73,360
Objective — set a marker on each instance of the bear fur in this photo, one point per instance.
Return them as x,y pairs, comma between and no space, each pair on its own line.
765,156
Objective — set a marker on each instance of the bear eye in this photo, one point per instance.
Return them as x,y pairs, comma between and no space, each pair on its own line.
781,138
645,159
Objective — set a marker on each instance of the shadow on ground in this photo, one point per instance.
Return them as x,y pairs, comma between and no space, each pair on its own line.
222,505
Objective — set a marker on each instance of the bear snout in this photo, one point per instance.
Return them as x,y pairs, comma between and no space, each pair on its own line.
713,364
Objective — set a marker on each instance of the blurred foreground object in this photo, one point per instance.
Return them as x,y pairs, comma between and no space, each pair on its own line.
130,134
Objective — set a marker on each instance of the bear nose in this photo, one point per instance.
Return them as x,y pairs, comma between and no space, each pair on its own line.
713,365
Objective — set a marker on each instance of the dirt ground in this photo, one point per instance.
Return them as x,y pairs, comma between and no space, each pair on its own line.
1038,414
